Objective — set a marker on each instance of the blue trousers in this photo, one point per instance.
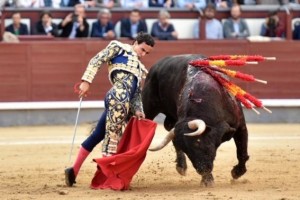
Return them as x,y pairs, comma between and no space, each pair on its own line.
97,135
125,85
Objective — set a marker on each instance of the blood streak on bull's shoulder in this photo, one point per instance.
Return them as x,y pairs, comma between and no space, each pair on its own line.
192,76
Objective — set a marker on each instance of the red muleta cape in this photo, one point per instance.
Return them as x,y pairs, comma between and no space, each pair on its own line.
116,172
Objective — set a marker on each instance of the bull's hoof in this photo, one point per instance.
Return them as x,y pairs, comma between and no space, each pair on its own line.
181,164
207,181
209,184
238,171
181,171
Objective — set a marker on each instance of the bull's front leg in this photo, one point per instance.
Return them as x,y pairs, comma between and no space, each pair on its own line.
180,162
241,142
207,180
205,170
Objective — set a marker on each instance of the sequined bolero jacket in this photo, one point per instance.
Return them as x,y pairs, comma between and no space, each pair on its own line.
118,56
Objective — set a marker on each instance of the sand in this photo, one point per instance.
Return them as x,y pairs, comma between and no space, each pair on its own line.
33,161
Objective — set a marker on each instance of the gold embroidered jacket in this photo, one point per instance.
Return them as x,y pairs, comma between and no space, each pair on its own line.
118,56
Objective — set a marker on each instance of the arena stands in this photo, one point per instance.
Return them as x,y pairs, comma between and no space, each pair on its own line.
32,70
181,18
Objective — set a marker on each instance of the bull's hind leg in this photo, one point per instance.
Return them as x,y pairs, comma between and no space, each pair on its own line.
241,142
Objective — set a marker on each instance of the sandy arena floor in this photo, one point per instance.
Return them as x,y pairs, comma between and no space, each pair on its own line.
33,161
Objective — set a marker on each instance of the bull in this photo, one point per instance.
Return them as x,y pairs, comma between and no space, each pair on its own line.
200,115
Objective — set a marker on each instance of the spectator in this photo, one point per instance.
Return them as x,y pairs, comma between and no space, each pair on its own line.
89,3
163,29
6,3
270,2
30,3
75,25
192,4
137,4
296,32
106,3
247,2
273,27
235,27
17,27
161,3
65,3
45,25
133,25
221,3
48,3
213,27
103,27
71,3
56,3
36,3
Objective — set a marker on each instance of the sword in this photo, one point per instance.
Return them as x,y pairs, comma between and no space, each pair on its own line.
75,128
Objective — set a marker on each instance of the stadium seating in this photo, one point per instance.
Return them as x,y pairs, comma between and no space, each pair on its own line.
254,25
184,27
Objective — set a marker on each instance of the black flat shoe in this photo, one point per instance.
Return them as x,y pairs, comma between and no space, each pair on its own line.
70,176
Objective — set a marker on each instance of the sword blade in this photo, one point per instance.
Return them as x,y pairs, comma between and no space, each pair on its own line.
75,128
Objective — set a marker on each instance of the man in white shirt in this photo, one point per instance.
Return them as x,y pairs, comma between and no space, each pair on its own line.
138,4
213,27
30,3
192,4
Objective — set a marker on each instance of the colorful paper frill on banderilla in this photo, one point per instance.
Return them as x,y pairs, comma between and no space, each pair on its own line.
216,66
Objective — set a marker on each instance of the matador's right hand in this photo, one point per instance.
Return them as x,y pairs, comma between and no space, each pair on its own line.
83,89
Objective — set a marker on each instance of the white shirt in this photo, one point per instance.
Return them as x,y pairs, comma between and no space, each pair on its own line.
213,29
29,4
132,3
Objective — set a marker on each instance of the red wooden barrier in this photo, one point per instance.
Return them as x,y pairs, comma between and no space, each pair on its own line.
47,70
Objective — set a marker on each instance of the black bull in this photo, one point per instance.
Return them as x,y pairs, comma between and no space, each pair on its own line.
191,100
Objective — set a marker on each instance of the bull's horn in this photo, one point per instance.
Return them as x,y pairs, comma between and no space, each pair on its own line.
196,124
164,142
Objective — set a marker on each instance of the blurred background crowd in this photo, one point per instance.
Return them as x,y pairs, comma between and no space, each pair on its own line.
76,25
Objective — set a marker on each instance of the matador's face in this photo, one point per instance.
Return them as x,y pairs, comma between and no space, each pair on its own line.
142,49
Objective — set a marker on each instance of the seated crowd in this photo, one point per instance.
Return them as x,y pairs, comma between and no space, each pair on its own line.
139,4
75,24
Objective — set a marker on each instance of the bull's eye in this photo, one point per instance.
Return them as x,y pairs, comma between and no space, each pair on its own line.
197,143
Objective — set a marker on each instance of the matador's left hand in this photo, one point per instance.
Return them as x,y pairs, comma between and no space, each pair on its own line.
140,115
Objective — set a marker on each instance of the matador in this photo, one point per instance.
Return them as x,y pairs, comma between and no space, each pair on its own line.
125,74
